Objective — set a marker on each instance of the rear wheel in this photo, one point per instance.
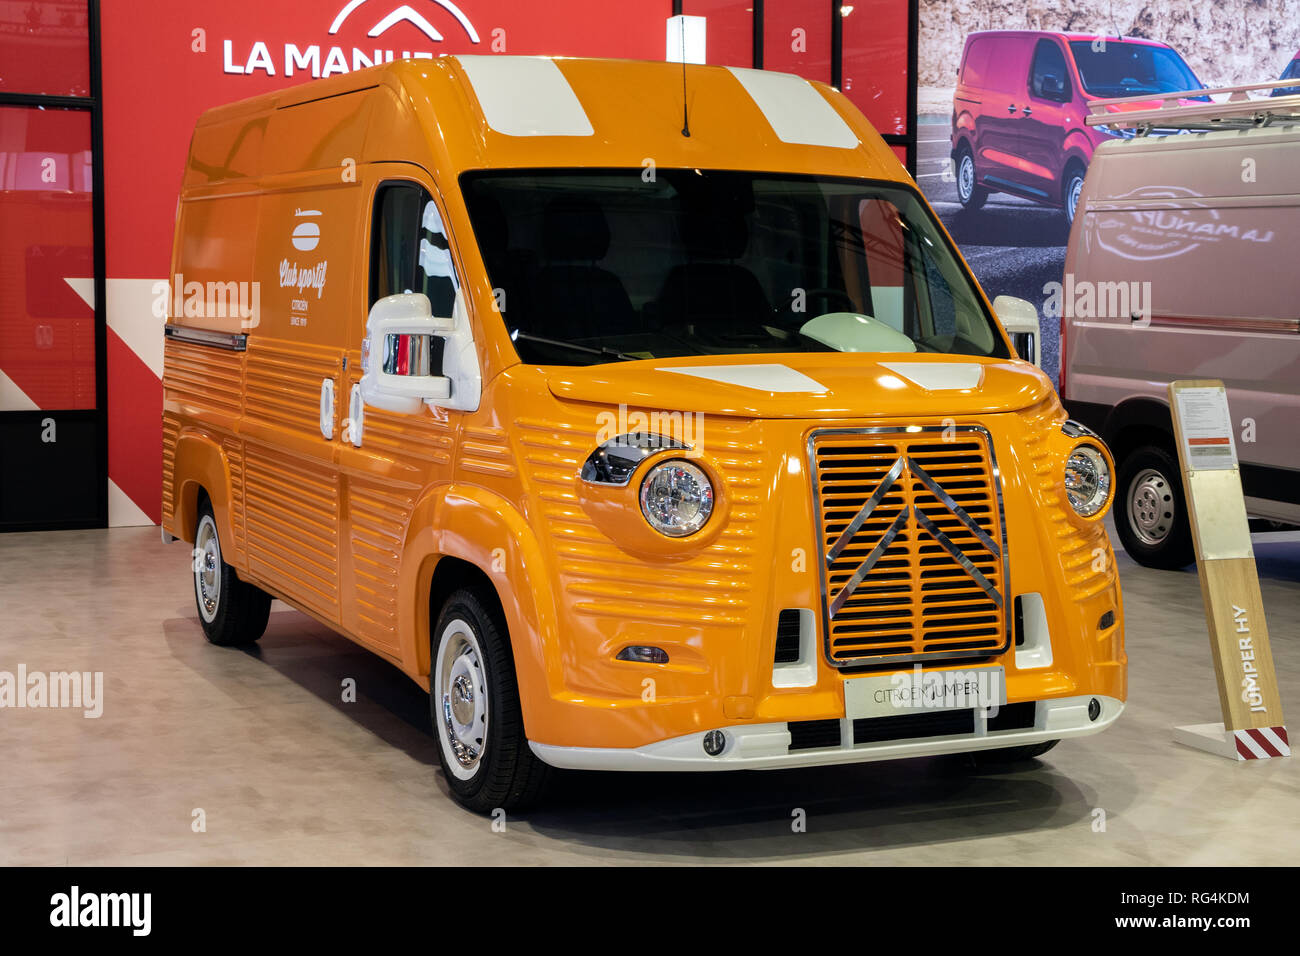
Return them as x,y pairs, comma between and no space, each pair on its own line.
969,194
1071,190
1150,513
474,703
232,611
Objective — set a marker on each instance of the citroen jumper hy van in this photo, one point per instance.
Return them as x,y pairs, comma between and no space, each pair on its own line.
642,440
1020,103
1180,265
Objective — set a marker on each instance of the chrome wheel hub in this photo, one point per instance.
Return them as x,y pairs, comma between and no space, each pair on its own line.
461,689
207,569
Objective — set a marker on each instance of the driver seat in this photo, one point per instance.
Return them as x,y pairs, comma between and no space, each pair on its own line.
718,296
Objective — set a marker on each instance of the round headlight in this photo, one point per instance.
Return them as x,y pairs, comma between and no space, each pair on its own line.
676,498
1087,481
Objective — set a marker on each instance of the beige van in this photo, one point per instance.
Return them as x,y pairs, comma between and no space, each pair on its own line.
1182,264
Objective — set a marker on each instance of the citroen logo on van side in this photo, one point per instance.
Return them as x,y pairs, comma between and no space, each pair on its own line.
406,13
306,234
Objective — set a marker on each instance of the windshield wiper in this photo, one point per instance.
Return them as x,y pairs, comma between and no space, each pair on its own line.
603,351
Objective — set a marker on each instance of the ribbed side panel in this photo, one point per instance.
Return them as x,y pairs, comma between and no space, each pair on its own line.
171,431
379,516
284,383
234,449
391,435
292,527
713,588
202,377
1076,547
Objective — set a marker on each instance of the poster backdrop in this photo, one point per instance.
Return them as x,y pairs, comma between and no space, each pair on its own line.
1025,132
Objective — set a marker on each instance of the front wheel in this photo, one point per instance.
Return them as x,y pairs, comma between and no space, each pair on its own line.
1150,512
232,612
474,704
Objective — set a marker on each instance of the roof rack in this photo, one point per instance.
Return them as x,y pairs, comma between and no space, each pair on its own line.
1238,111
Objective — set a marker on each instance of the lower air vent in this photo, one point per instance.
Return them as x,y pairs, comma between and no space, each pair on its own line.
814,734
939,723
1014,717
787,637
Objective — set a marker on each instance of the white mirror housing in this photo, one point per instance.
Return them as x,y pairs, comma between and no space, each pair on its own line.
396,357
1020,319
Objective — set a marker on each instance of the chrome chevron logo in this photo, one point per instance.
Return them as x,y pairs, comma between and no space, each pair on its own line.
922,521
408,14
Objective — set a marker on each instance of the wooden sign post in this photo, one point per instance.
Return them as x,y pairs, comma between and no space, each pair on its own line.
1252,725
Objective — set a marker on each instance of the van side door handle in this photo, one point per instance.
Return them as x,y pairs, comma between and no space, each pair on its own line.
1027,111
327,408
1011,108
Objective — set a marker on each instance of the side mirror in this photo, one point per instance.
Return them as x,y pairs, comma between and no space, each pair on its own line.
403,344
1020,319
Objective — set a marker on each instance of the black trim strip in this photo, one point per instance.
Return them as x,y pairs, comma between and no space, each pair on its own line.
758,34
913,26
99,229
837,46
48,101
93,105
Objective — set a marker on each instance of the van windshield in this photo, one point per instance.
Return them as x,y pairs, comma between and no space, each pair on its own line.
1112,68
602,265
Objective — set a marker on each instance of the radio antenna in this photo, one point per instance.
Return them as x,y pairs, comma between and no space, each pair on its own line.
686,116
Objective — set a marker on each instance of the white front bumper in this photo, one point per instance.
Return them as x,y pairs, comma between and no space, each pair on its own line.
767,746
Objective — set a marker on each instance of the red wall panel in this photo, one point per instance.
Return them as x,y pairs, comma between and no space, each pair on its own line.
874,66
729,34
797,38
45,47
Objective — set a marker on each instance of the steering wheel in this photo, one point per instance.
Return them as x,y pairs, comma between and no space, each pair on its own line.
823,293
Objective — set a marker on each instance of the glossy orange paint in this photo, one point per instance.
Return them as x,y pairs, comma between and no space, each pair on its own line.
355,536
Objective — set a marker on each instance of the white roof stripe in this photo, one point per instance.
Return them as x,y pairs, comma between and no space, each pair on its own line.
525,96
795,110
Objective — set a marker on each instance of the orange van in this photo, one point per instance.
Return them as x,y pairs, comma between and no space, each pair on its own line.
645,431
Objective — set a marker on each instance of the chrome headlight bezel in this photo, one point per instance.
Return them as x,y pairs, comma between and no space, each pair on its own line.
1089,480
657,497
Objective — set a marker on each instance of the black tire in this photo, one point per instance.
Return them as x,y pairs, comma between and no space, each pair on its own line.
232,612
1071,186
971,195
1150,512
473,688
1013,754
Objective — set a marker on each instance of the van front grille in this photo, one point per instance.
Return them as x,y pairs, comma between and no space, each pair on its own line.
912,544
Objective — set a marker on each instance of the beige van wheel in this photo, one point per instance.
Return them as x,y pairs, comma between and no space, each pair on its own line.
1150,513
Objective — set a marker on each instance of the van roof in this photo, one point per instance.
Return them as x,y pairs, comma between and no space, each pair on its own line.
476,112
1062,35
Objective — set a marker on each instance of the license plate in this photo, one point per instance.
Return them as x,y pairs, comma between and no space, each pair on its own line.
916,691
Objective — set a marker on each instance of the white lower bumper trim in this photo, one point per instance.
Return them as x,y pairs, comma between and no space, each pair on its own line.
767,746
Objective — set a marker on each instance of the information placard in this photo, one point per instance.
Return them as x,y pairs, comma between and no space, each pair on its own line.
1243,659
